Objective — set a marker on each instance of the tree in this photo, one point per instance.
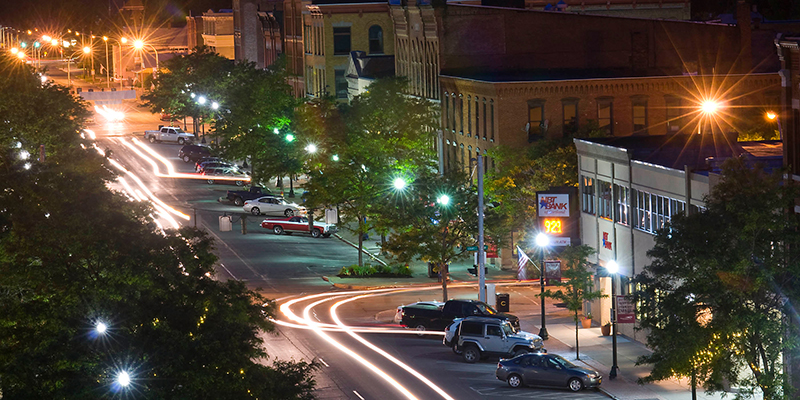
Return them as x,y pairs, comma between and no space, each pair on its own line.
577,286
381,135
435,219
719,281
73,253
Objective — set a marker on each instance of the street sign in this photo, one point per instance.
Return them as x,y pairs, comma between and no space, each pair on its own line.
475,248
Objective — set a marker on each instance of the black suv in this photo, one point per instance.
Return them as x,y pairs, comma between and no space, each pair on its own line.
193,152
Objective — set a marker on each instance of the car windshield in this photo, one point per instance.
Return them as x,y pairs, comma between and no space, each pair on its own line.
562,361
485,309
508,329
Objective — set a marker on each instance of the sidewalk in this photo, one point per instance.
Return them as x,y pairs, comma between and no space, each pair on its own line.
595,349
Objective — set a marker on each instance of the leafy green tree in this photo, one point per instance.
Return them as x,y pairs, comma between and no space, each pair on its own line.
720,280
73,253
434,219
577,287
363,147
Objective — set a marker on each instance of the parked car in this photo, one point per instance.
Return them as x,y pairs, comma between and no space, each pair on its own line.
193,152
238,197
450,335
298,224
398,316
480,336
546,370
427,318
272,205
233,174
218,163
169,134
199,162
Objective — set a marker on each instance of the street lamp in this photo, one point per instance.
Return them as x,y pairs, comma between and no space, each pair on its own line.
443,200
542,241
121,41
108,74
123,378
100,327
399,183
773,116
612,269
138,45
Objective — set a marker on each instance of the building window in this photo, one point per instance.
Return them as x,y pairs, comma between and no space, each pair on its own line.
535,125
341,40
653,212
570,111
446,111
639,116
621,195
605,208
341,84
643,210
587,195
484,118
469,117
491,123
605,115
674,113
460,111
375,39
477,118
462,154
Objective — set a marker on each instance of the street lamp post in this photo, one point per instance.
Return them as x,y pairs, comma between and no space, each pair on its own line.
613,268
774,116
542,241
108,74
121,41
139,44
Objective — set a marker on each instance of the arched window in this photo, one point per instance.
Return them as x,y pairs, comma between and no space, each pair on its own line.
375,39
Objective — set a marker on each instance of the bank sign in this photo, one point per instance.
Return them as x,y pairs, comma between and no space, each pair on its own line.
553,205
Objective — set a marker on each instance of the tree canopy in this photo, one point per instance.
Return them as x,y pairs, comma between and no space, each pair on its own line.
74,254
714,296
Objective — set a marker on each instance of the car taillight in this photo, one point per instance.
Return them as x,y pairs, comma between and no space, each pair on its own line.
499,365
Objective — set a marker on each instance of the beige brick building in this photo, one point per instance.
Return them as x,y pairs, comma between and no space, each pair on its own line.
331,32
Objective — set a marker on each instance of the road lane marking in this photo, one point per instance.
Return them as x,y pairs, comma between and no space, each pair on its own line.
359,396
323,362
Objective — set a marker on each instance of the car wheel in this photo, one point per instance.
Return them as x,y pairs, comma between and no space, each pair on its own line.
186,159
255,211
181,140
315,233
421,328
471,353
152,139
210,181
289,212
520,352
238,202
326,235
575,385
456,350
514,381
278,230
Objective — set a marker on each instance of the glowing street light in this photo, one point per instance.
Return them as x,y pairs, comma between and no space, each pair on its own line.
443,200
709,107
311,148
214,105
335,157
542,241
123,378
14,50
275,131
101,328
613,268
771,115
289,137
399,183
201,100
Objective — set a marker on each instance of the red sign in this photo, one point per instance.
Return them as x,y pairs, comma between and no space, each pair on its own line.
491,252
606,242
552,271
626,311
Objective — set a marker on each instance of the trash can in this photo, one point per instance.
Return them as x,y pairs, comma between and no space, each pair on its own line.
225,223
431,272
502,302
491,297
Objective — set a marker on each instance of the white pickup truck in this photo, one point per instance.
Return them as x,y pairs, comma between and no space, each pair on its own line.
169,134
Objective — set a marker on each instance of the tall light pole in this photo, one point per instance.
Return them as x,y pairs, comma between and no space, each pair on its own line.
108,74
771,115
542,241
612,269
481,252
139,45
121,41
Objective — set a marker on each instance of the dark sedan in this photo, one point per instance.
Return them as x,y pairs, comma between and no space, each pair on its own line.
546,370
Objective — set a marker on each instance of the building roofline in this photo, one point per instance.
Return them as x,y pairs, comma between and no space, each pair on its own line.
607,78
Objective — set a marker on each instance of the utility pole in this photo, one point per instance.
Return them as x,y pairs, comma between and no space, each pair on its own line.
481,252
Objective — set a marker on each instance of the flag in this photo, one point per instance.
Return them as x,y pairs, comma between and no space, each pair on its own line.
523,261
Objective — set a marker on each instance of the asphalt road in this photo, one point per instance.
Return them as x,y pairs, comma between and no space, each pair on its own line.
288,267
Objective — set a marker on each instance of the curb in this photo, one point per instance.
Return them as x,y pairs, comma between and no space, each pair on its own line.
355,246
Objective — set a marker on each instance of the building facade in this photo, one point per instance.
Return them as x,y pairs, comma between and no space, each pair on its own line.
331,32
478,115
218,32
631,187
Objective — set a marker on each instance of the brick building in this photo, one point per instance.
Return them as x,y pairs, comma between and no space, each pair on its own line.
331,31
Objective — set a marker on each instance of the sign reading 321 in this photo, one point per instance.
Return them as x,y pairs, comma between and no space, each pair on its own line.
553,205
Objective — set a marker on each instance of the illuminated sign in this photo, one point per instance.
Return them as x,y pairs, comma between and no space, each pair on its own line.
552,226
553,205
